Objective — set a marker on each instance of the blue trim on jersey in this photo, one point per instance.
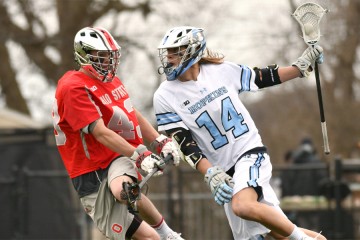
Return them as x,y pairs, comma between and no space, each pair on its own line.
254,171
167,118
245,78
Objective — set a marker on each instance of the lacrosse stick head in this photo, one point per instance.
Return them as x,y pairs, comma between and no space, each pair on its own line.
131,193
308,16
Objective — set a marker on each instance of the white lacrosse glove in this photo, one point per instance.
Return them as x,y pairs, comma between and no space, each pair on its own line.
165,146
147,161
306,62
221,184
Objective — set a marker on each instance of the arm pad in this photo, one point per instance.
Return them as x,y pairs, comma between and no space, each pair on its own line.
269,76
188,147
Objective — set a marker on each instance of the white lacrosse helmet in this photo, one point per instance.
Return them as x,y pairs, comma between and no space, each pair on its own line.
192,41
103,63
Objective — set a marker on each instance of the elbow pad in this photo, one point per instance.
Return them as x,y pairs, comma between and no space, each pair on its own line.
267,77
188,147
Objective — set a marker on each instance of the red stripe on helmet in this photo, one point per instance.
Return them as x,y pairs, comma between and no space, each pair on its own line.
109,39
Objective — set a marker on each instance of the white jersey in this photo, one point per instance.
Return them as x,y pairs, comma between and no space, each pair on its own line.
212,110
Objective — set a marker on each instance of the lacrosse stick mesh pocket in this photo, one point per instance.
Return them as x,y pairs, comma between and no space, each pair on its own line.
309,15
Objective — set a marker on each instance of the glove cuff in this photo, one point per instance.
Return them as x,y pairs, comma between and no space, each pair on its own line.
140,149
210,172
304,67
160,138
159,143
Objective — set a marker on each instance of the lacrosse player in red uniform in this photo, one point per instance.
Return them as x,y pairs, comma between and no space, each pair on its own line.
199,106
99,135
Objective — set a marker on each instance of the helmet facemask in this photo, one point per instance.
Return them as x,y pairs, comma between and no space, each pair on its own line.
180,54
187,44
105,63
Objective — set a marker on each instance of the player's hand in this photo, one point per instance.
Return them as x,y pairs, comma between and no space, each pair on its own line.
306,62
221,184
147,160
165,146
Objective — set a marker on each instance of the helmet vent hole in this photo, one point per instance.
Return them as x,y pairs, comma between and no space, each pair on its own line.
94,35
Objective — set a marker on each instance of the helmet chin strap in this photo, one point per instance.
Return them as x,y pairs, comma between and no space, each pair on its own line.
91,72
168,68
105,76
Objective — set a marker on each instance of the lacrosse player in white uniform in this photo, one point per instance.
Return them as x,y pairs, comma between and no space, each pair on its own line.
199,107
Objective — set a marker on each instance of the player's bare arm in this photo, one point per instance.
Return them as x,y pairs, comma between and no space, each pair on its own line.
303,65
288,73
111,139
273,74
220,183
162,144
147,130
203,165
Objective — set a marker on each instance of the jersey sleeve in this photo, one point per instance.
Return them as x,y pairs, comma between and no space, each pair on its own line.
166,117
79,109
246,78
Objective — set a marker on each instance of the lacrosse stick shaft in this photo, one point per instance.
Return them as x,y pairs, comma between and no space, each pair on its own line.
167,159
309,15
321,108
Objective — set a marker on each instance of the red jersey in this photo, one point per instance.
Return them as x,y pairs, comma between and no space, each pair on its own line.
79,101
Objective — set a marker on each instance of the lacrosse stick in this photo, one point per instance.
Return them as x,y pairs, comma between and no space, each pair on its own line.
308,16
131,191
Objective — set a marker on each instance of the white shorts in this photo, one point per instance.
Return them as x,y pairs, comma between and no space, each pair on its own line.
111,217
252,170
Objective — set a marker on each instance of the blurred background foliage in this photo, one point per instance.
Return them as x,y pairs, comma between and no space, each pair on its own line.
37,42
